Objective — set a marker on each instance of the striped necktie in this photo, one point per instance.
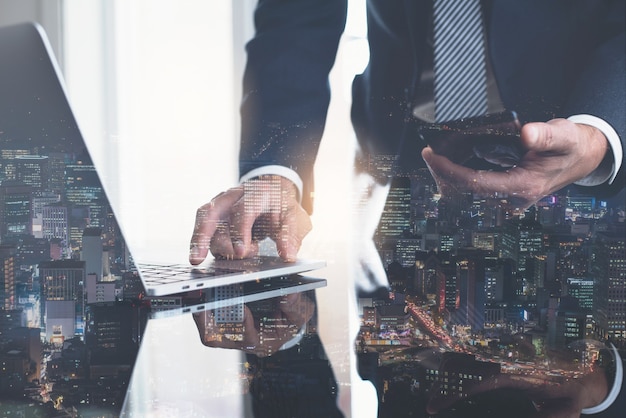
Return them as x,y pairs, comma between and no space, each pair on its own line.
460,68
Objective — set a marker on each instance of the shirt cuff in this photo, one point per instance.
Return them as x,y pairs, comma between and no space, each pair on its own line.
617,386
277,170
602,174
294,341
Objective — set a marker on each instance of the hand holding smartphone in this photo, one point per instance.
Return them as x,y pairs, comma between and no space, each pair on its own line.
490,142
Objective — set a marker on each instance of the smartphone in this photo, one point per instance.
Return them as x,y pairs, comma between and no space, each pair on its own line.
489,142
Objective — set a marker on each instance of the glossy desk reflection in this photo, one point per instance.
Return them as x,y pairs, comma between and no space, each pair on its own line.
273,321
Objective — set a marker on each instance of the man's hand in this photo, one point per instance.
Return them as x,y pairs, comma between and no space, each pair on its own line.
550,399
560,152
232,224
291,313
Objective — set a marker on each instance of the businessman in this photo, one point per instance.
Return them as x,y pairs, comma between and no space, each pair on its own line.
559,64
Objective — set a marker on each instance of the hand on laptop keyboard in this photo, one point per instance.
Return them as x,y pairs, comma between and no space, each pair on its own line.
232,224
260,328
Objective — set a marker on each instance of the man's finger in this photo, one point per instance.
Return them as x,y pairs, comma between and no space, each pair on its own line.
221,244
242,217
554,137
538,137
207,221
453,179
294,225
297,308
450,177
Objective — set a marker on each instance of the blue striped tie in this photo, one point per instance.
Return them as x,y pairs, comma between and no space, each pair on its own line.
460,68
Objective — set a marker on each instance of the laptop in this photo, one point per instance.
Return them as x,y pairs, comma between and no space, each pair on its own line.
161,279
216,298
37,124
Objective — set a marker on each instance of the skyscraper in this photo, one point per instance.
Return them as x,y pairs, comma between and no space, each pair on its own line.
470,272
426,267
92,252
63,280
405,251
7,277
15,207
582,291
521,240
109,335
56,225
83,189
608,263
82,185
34,171
498,273
39,202
396,217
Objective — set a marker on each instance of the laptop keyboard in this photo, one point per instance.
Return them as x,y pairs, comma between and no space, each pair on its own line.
156,274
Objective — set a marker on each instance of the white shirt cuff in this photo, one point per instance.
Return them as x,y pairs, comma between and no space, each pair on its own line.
600,176
295,340
277,170
617,386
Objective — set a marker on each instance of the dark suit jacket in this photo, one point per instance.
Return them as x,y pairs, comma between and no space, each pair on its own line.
550,59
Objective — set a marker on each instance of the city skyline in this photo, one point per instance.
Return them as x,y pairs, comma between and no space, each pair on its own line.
505,287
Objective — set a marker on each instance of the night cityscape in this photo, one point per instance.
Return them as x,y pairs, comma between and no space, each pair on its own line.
479,291
71,313
71,317
487,304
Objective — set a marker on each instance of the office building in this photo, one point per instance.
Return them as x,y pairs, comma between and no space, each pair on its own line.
92,252
406,249
609,274
581,290
7,277
27,342
484,240
34,171
458,374
60,320
581,204
82,185
396,217
521,240
83,189
15,209
447,287
498,276
551,210
7,159
109,335
426,266
572,255
56,167
31,251
55,224
449,240
568,325
40,201
98,291
456,210
392,317
63,281
470,309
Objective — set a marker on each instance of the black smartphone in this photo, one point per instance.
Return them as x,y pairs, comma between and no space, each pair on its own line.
489,142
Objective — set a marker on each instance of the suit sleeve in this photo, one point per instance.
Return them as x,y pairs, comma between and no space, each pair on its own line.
562,58
285,88
601,88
